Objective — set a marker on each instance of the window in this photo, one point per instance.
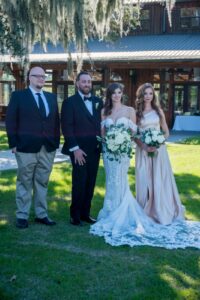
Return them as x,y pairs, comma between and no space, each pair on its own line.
143,25
97,75
97,90
49,74
185,74
64,90
60,95
162,94
156,77
178,99
192,99
70,90
114,76
186,99
145,19
190,17
48,81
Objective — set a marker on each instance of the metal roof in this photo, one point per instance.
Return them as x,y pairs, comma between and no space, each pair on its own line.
130,48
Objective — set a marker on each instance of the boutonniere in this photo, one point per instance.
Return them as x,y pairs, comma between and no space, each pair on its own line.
96,105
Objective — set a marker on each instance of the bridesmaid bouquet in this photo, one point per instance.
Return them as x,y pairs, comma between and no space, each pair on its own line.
152,138
117,142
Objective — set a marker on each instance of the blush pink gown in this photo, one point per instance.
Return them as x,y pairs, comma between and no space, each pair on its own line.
156,189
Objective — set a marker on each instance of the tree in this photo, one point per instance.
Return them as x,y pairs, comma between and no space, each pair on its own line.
66,22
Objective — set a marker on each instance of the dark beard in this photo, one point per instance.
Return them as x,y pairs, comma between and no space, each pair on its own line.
84,93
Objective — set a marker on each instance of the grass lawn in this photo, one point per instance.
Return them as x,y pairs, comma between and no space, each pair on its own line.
3,140
66,262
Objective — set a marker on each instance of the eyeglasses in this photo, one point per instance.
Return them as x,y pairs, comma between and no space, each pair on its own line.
39,76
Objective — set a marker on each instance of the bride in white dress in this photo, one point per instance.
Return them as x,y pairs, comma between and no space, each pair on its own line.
122,221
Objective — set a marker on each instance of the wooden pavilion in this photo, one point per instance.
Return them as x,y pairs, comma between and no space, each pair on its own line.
168,57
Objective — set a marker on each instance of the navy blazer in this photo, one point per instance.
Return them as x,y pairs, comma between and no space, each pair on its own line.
26,129
79,127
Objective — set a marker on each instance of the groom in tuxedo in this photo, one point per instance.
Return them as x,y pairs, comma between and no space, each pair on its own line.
80,121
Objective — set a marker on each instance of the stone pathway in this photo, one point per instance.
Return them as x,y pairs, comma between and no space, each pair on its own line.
8,161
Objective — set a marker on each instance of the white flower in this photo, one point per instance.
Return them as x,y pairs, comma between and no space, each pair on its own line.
154,132
161,139
147,140
119,139
154,138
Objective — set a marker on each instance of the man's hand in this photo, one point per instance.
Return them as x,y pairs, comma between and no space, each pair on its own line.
14,150
79,157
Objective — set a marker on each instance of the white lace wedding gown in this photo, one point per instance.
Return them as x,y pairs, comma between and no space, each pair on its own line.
122,221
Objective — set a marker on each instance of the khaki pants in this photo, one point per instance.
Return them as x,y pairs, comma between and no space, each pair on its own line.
33,174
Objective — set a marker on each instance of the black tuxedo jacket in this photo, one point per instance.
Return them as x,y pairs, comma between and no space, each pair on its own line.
26,129
79,127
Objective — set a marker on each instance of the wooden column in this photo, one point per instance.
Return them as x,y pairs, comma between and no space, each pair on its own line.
171,98
106,77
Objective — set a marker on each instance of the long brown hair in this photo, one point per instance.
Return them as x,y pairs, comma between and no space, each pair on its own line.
140,101
109,92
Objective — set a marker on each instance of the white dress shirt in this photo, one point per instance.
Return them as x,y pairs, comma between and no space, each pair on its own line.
43,98
88,103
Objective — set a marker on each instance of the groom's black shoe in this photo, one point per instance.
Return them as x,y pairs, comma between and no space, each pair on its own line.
76,222
89,220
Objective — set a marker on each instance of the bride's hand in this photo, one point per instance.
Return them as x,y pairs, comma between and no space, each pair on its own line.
148,148
151,149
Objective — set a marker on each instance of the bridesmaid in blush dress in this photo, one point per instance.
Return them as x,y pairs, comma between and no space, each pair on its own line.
156,189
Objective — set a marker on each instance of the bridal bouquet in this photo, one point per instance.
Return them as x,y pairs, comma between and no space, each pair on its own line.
152,138
117,142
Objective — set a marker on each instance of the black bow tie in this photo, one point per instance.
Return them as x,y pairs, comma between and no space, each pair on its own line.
87,98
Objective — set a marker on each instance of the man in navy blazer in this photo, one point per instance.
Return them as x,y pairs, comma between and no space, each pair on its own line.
80,120
32,124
